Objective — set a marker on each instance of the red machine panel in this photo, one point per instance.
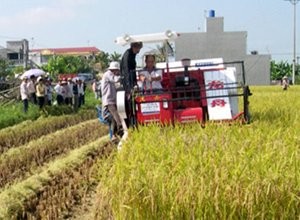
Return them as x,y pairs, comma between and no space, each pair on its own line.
188,115
154,108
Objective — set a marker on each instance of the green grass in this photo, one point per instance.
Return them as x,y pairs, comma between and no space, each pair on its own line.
221,171
13,114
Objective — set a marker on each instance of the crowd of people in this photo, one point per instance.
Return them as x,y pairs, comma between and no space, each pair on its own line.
41,91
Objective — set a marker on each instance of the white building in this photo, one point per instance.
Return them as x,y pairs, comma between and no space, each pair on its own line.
231,46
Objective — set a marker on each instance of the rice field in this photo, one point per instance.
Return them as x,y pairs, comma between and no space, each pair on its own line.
51,165
47,165
221,171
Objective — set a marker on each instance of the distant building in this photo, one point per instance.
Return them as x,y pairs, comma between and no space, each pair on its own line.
16,52
231,46
3,53
41,56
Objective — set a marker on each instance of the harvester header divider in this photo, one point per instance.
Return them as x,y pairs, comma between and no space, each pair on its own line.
147,38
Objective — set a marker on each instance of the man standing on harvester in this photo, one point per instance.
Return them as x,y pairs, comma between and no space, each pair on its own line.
128,66
129,78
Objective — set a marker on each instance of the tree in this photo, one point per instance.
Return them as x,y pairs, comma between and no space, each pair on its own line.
160,54
18,70
5,69
164,51
279,70
66,64
102,60
115,57
79,64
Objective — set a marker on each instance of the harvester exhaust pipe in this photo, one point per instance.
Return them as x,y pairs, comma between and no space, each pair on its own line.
186,63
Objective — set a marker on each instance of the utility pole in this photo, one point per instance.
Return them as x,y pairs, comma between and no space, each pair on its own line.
294,3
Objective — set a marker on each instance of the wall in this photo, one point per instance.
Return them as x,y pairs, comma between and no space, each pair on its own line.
231,46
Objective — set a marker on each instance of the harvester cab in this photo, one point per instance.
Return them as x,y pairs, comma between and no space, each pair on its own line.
192,90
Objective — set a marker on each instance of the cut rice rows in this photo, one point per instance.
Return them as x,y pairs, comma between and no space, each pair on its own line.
47,165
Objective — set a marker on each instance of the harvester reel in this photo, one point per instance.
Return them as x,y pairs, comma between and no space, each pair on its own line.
126,108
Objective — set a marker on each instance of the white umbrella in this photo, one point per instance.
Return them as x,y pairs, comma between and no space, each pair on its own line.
33,72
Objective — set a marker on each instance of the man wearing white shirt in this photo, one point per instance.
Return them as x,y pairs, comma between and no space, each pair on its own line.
59,93
80,92
24,93
69,94
150,76
109,97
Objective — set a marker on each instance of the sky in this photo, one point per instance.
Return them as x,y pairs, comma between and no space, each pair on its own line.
80,23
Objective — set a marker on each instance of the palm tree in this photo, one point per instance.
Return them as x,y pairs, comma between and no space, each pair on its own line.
115,57
279,70
102,60
163,51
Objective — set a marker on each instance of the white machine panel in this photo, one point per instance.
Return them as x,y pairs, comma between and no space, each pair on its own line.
203,64
219,108
230,74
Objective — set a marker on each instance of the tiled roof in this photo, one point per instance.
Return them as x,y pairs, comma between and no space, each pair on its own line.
71,50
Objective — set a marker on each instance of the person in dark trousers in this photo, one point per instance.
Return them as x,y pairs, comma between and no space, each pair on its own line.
128,66
109,98
75,93
59,93
32,90
80,87
129,78
40,92
24,94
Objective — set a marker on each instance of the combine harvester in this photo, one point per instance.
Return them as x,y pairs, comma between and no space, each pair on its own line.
193,90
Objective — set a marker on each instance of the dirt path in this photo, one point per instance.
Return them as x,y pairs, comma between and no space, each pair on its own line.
85,210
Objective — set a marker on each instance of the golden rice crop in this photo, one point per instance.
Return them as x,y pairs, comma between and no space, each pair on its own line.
218,172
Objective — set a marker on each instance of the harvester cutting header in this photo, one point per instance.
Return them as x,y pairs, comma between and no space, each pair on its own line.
191,90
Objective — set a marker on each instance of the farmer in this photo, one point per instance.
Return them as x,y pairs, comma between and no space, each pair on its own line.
285,83
128,66
109,97
24,93
128,75
40,92
31,85
150,76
